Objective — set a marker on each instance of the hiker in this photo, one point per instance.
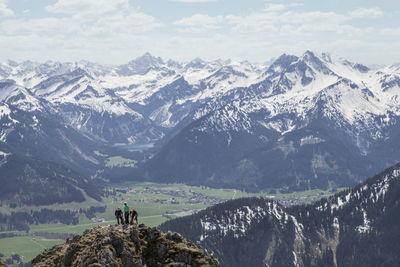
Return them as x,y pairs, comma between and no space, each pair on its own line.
134,215
126,213
118,215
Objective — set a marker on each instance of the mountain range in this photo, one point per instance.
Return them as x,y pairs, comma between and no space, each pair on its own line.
301,122
356,227
306,122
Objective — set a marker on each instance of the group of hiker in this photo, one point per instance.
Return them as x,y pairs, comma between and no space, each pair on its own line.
125,214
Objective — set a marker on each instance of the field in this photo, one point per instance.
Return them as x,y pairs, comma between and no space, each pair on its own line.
155,203
118,161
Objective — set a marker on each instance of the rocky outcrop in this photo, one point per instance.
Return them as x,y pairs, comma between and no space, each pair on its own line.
130,246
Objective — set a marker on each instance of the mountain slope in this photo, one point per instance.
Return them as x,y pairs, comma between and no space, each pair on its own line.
359,226
88,107
29,181
311,122
44,138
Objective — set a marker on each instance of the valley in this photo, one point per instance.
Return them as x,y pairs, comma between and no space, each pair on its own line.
155,203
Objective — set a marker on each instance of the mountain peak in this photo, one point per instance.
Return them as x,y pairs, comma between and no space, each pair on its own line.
283,62
310,56
126,245
147,59
140,65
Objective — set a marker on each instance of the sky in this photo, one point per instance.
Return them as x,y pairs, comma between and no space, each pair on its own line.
116,31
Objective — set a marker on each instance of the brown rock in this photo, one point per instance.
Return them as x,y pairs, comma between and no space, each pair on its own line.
130,246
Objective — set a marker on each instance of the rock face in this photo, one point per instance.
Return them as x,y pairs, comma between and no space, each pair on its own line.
129,247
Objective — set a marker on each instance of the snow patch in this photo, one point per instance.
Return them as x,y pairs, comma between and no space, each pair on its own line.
311,140
237,224
366,226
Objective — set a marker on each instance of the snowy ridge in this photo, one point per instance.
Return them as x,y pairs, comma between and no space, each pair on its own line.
350,96
363,220
7,121
283,96
236,224
19,96
360,197
368,193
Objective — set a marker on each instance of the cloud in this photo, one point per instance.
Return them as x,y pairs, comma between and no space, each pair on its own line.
84,19
367,13
281,28
4,10
194,1
198,19
199,23
88,32
275,18
113,30
74,7
274,7
295,4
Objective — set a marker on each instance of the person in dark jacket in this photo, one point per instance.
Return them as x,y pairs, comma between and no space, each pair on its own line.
118,215
134,215
126,213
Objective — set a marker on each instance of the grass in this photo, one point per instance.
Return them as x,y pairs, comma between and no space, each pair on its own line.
26,246
119,161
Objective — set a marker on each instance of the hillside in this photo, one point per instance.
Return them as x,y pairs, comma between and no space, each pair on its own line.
48,139
131,246
356,227
29,181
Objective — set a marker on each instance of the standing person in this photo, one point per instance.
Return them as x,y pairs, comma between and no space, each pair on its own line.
126,213
134,215
118,215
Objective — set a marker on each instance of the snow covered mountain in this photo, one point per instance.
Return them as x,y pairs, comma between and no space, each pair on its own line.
302,122
137,102
356,227
310,121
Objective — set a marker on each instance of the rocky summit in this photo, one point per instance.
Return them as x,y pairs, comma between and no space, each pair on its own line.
125,246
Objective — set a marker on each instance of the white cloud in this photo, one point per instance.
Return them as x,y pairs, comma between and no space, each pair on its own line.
84,32
281,28
199,23
114,30
367,13
86,19
295,4
199,19
4,10
74,7
274,7
194,1
392,32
